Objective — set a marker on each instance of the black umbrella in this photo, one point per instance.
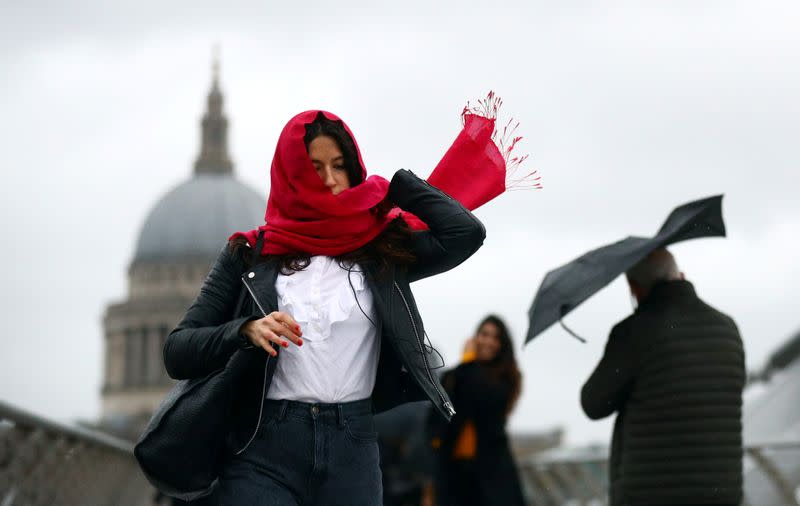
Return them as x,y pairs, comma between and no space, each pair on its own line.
565,288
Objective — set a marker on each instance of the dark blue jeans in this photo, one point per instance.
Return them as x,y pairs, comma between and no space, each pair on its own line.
309,455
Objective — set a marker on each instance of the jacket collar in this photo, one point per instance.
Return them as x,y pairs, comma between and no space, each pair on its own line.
261,278
380,283
664,290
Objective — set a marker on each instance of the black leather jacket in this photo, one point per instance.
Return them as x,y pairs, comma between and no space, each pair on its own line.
208,335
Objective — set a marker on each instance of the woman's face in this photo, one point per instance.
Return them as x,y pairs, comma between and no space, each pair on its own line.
329,162
487,342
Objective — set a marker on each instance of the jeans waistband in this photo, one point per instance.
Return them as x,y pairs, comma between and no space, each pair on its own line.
317,410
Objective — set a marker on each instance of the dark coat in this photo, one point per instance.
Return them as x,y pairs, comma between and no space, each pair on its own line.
491,478
208,334
674,372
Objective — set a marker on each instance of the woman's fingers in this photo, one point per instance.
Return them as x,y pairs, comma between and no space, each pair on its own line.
263,342
272,340
283,324
287,320
275,330
471,345
277,339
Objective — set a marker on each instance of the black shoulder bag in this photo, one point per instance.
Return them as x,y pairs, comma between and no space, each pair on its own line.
182,449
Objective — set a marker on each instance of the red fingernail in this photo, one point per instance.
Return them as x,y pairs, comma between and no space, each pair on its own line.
299,342
285,344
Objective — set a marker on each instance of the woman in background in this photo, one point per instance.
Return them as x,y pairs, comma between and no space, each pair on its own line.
474,461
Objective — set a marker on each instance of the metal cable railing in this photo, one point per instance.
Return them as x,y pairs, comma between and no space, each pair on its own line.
561,478
47,463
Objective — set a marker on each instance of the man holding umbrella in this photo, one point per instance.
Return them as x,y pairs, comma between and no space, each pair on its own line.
673,372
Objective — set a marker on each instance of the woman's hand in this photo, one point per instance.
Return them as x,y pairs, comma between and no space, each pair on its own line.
470,350
470,346
275,328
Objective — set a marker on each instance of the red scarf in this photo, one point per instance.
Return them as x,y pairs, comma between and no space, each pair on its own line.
303,216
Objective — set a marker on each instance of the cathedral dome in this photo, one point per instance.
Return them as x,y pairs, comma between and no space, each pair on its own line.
178,242
196,218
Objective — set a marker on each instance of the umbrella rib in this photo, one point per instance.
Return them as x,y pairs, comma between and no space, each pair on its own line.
570,332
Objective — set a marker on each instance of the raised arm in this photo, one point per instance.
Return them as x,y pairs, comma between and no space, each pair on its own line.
607,388
454,232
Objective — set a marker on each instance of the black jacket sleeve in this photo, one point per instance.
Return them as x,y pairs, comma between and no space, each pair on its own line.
607,388
208,334
454,233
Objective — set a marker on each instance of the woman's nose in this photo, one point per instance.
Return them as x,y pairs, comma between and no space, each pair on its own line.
327,177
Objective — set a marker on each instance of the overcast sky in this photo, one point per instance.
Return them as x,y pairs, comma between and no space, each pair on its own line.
628,109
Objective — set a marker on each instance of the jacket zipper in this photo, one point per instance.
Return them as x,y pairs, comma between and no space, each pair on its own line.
441,192
264,383
448,406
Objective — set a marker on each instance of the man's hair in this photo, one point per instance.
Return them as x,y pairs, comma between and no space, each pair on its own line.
658,266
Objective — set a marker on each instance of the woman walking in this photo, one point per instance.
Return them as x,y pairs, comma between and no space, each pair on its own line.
475,465
334,332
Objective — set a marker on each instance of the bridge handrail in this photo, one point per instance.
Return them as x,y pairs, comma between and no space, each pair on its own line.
24,418
583,457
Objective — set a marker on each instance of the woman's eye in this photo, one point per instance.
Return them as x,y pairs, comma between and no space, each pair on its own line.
338,167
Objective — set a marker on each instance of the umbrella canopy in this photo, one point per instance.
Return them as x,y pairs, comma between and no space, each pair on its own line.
566,287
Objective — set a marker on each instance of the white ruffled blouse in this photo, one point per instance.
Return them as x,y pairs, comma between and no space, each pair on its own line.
339,357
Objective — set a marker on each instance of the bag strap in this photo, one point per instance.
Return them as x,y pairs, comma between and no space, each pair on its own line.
243,292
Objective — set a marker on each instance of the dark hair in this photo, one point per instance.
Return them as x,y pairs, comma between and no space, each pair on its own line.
503,367
390,247
322,126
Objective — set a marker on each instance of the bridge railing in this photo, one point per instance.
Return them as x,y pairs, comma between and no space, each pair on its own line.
43,462
565,477
772,474
580,477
